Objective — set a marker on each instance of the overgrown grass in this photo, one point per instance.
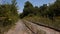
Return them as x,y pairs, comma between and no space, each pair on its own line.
7,23
46,21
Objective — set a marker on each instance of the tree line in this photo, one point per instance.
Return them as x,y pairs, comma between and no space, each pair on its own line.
51,11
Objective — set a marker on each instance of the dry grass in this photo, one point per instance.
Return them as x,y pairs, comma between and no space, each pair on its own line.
46,21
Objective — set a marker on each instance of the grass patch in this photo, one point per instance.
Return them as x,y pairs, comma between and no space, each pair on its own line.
46,21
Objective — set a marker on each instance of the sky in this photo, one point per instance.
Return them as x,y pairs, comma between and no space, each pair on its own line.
21,3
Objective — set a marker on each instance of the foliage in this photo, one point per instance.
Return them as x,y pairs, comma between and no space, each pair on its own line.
45,21
8,14
28,9
50,11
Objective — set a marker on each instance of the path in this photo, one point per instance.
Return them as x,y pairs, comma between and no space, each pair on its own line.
20,28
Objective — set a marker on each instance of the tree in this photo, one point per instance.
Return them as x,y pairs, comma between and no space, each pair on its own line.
14,7
28,8
9,11
8,15
43,10
57,7
36,10
54,9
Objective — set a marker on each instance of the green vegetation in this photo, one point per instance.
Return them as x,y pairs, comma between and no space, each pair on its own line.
8,16
45,21
48,15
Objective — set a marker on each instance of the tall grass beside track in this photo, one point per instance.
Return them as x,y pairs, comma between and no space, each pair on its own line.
46,21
